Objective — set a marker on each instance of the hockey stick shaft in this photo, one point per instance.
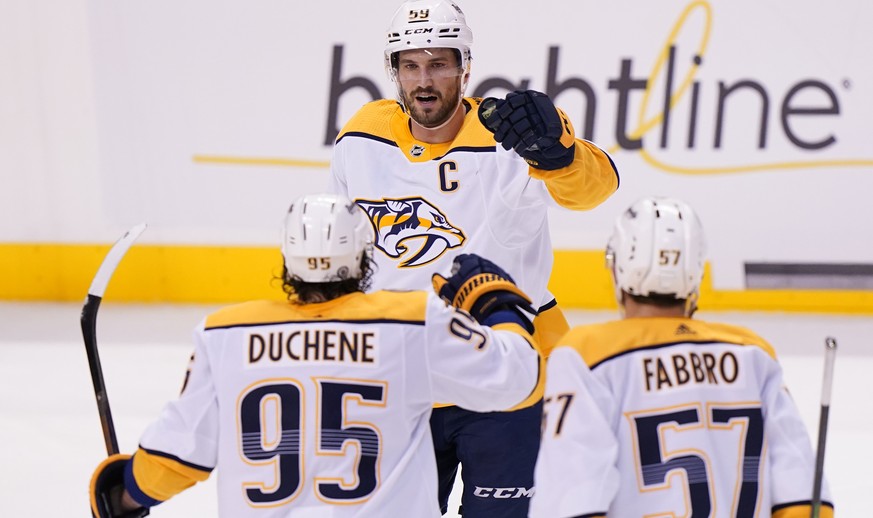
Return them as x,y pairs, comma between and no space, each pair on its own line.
827,384
88,321
89,334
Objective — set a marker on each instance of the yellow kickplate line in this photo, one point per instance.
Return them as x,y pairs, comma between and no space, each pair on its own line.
216,274
148,273
256,161
580,280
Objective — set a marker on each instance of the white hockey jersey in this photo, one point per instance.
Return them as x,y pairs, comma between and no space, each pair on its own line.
431,202
670,417
322,410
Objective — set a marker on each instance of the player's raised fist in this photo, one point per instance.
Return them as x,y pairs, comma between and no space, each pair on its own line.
484,290
528,122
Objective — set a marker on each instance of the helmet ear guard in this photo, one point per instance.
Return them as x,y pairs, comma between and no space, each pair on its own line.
658,249
325,236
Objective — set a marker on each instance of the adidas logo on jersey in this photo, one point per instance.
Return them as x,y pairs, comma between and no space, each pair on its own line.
685,330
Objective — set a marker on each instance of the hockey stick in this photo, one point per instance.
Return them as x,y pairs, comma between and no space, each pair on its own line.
89,329
827,383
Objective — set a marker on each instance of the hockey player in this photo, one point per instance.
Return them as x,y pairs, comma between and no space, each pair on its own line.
659,413
429,172
319,406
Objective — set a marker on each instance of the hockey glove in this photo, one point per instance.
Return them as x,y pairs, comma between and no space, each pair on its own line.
484,290
107,486
529,122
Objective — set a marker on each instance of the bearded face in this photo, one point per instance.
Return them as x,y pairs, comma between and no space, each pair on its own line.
429,83
432,106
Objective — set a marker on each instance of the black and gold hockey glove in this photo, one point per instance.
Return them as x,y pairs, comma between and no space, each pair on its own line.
484,290
528,122
107,486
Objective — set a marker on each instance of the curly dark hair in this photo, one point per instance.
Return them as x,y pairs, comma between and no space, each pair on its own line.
300,292
658,299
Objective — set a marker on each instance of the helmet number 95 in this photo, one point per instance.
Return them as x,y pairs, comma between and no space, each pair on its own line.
316,263
669,257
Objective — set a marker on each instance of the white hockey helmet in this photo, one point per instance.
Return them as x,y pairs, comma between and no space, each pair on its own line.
657,248
325,238
428,24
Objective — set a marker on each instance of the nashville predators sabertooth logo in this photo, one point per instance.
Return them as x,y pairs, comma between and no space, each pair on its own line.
401,224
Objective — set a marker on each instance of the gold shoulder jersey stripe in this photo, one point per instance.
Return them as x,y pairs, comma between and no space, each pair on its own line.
407,307
385,121
598,343
372,119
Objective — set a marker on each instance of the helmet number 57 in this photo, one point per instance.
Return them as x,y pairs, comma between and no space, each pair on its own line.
668,257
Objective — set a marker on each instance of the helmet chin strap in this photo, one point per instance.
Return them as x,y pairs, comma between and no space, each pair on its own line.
691,304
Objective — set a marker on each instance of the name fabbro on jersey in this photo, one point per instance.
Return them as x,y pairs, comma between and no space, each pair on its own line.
312,345
689,367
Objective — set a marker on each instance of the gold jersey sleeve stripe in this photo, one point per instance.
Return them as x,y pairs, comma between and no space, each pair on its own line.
162,477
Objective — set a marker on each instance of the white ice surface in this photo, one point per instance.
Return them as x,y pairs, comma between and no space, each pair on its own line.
50,437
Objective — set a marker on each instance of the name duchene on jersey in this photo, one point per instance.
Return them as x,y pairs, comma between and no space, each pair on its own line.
314,345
